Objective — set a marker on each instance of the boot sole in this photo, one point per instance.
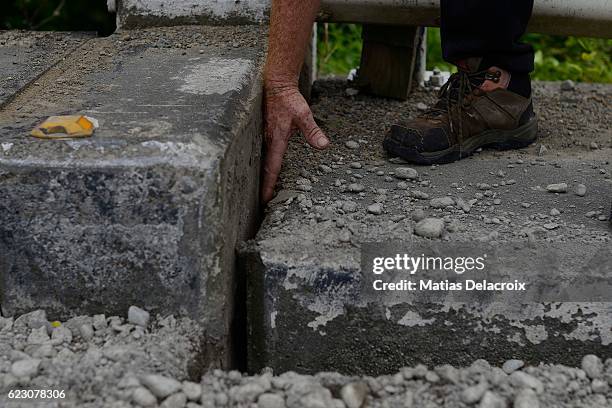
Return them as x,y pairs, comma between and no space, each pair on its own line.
517,138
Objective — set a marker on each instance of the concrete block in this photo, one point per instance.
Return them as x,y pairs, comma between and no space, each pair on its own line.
310,306
147,13
24,56
148,211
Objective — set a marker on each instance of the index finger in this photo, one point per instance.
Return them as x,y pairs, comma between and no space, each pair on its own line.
273,162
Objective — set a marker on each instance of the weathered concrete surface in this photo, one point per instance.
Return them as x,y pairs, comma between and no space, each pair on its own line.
309,309
149,209
139,13
24,56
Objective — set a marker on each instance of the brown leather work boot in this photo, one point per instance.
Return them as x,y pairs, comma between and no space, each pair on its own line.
474,110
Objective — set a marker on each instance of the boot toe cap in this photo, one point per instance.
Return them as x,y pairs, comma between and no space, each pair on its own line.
421,140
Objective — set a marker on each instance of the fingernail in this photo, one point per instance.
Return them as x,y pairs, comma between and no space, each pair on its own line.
322,142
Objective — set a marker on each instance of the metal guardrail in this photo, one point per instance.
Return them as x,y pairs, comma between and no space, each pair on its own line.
590,18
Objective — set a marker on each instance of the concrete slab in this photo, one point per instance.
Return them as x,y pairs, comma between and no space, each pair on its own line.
24,56
138,13
311,306
149,209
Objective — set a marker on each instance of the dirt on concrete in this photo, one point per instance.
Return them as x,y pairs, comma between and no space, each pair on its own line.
503,193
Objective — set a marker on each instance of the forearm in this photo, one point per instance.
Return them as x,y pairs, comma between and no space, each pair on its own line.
290,30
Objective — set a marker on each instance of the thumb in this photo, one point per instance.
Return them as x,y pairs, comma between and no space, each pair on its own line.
311,131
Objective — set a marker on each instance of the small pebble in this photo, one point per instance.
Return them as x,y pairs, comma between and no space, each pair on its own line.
492,400
352,144
418,215
429,228
356,188
25,368
592,366
375,209
269,400
442,202
161,386
86,331
568,85
473,394
526,398
143,397
557,188
354,394
406,173
511,366
138,316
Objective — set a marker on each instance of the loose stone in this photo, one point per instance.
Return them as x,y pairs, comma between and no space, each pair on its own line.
511,366
442,202
354,394
406,173
375,209
356,188
25,368
581,190
352,144
161,386
138,316
429,228
557,188
592,366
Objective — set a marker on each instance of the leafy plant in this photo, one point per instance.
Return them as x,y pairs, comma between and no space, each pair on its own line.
338,47
57,15
556,58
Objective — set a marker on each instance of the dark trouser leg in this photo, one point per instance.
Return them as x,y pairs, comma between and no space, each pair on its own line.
487,29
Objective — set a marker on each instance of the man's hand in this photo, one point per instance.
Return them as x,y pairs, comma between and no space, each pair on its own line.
285,112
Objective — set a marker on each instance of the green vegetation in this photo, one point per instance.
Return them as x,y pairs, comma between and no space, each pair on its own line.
557,58
338,47
57,15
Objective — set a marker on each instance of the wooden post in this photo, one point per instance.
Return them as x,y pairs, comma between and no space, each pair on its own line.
388,59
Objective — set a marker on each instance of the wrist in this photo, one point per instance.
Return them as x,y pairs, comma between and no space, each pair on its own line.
275,84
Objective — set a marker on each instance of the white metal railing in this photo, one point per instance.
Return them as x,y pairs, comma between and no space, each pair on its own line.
591,18
570,17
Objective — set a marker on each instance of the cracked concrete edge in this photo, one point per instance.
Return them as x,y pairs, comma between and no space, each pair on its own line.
319,322
137,14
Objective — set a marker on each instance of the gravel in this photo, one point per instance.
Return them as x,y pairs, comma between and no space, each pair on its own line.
114,369
491,197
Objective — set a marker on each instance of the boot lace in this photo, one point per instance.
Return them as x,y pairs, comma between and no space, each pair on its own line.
456,95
